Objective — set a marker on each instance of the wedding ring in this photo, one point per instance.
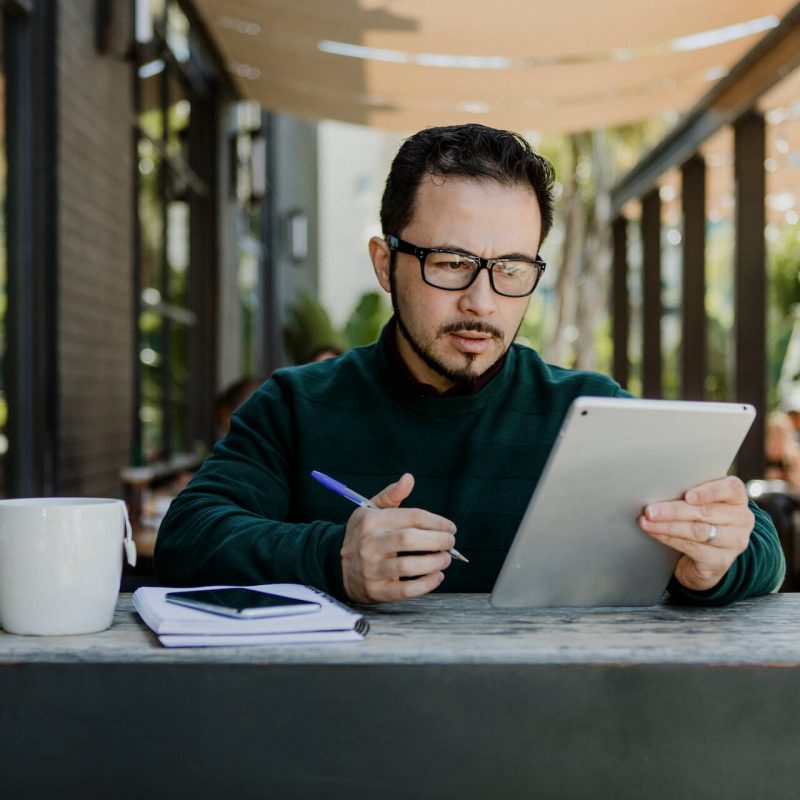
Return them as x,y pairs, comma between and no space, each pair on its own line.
712,534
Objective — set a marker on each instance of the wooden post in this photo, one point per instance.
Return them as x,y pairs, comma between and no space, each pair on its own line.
693,345
620,300
651,294
750,286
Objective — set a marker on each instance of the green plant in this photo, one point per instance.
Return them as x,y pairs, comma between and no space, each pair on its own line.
783,311
367,319
309,326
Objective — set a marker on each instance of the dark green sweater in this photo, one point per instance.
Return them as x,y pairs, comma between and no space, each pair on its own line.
253,514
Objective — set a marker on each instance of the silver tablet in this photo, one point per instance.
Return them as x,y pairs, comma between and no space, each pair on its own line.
578,543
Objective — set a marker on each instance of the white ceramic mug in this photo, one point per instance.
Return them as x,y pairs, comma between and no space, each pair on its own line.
61,563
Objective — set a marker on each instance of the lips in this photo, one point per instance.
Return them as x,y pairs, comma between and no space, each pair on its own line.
471,342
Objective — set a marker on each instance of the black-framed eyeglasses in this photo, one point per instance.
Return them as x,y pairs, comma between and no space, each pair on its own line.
453,271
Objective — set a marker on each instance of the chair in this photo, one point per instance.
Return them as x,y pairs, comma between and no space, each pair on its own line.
783,507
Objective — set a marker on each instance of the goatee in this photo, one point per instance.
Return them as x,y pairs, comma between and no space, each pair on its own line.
461,375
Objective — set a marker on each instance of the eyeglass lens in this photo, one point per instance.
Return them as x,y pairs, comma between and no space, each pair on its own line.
455,271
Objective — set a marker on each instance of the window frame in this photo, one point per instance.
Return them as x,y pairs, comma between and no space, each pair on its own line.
31,366
197,169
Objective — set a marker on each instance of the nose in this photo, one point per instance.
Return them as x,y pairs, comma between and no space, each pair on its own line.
479,298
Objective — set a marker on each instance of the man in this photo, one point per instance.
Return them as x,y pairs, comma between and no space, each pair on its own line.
446,401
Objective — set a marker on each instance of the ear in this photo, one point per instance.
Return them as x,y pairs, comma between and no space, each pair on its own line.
381,256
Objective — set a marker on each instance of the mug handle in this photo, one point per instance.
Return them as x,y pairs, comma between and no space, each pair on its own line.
130,545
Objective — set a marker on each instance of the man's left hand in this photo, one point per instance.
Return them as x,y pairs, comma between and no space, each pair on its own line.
710,526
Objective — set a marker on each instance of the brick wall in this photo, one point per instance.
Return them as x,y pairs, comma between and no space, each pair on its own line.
95,258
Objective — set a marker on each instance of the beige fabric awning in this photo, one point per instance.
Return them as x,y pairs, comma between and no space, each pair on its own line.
407,64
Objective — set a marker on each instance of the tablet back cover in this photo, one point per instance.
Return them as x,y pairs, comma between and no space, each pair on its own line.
578,543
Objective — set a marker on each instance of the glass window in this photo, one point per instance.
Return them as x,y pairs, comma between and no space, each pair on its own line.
149,18
250,188
3,261
177,147
720,258
781,108
166,187
671,283
635,269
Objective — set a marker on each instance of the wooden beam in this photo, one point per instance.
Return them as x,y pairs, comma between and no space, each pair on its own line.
774,57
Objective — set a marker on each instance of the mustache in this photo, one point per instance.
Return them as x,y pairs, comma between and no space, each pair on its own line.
471,325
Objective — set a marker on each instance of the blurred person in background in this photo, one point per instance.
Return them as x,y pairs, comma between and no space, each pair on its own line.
229,399
323,352
782,451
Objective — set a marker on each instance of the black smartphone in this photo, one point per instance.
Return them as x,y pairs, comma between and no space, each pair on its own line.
242,602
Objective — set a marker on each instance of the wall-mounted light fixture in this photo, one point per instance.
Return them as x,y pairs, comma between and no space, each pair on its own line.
297,235
258,167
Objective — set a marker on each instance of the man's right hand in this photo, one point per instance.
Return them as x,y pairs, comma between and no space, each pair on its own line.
376,539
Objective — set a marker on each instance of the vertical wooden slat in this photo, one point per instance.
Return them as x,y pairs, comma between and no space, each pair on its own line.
271,350
204,273
137,450
651,294
693,349
620,301
164,194
750,285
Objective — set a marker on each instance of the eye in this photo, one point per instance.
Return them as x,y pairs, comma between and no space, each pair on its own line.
451,262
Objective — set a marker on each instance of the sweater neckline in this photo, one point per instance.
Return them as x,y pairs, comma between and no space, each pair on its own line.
399,366
438,405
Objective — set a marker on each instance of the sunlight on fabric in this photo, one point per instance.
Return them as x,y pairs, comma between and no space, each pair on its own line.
730,33
425,59
695,41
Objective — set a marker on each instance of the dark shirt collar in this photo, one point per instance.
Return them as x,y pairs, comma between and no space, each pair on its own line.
461,389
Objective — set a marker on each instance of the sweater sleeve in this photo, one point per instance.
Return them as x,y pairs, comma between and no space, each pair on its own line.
231,523
760,569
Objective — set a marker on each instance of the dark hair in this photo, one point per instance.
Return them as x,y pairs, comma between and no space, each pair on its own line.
323,349
473,151
228,400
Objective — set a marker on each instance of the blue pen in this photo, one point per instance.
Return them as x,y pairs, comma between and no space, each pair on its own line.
359,500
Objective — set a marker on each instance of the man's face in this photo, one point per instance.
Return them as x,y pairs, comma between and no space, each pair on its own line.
446,337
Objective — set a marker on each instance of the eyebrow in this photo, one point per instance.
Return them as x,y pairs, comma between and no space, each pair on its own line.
512,256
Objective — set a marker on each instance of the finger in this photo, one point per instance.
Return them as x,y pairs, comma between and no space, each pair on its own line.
698,533
416,540
709,554
419,586
678,510
381,591
724,490
418,518
413,566
395,493
395,519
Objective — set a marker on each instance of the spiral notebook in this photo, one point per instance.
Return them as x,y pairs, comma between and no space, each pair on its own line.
178,626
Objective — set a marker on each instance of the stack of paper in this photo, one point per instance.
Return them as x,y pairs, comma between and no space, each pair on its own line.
178,626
